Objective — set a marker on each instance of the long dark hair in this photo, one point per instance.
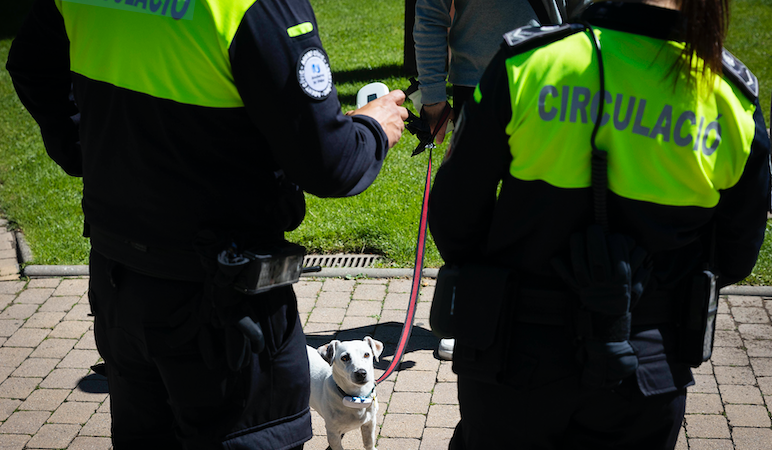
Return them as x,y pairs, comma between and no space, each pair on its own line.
706,25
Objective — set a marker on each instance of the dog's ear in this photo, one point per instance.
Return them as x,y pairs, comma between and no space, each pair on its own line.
376,346
328,351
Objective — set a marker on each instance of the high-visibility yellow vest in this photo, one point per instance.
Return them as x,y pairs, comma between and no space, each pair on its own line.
116,42
670,144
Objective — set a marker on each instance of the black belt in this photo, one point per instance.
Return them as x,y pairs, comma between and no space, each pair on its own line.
550,307
173,264
163,262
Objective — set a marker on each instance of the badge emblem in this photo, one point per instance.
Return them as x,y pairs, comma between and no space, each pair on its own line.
314,74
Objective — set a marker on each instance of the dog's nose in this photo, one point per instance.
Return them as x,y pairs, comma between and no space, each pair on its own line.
360,375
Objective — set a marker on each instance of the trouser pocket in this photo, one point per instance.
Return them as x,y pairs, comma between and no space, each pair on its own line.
483,321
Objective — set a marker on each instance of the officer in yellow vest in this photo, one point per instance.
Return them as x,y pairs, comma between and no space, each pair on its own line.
687,153
196,125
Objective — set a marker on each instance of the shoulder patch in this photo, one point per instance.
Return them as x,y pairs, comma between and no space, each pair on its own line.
526,38
740,75
314,74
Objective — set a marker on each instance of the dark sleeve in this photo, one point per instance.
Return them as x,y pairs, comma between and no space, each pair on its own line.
741,215
39,65
320,149
464,193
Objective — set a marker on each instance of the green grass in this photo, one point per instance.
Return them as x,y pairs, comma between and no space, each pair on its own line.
35,194
38,198
762,272
750,39
383,219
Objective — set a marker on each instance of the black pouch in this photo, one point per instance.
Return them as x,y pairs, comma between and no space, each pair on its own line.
473,305
441,315
234,277
267,268
697,326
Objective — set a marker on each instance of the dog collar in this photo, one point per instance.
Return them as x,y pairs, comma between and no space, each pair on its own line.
357,402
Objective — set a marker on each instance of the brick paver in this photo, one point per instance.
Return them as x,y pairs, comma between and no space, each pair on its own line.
49,398
45,399
752,438
54,436
704,404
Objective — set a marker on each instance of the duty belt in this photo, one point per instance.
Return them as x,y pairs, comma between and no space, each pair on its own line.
160,262
551,307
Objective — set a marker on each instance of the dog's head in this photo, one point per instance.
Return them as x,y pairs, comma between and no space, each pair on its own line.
352,361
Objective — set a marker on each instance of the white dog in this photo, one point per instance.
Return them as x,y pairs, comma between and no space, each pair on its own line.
343,388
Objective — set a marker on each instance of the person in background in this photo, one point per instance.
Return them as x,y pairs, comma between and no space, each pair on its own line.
196,127
455,40
580,326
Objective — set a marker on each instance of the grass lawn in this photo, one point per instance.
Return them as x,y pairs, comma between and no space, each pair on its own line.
38,198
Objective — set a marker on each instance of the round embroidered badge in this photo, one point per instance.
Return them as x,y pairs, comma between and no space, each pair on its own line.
314,74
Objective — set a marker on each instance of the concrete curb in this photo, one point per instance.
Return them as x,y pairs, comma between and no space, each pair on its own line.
40,271
43,271
759,291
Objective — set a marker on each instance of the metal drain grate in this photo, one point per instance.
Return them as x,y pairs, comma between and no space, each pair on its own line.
339,260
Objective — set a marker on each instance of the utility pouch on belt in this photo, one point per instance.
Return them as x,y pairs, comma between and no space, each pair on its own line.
698,320
266,268
233,276
443,309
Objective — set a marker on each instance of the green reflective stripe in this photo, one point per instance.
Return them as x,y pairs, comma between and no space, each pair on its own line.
175,9
664,146
118,46
298,30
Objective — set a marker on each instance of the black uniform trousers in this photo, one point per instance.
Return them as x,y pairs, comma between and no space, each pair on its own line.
170,394
539,403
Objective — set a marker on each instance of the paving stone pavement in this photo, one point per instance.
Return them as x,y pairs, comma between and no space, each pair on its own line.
9,267
50,399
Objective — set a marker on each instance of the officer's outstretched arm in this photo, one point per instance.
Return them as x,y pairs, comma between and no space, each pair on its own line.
389,113
285,80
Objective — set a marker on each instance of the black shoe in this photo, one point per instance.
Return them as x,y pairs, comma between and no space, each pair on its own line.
100,369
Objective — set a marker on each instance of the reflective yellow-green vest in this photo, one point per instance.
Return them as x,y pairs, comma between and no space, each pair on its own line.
195,69
668,143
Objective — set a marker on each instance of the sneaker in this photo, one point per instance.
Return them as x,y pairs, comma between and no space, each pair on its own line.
445,350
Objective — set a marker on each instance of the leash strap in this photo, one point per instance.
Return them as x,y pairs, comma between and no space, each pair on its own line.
407,328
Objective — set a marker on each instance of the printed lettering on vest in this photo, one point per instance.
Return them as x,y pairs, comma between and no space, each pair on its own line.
628,116
175,9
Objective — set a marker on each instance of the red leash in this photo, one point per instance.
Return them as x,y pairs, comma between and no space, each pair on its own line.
407,329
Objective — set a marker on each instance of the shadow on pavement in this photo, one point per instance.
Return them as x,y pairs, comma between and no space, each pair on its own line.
388,333
93,384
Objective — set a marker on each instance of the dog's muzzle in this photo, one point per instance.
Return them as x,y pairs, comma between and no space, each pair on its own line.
360,376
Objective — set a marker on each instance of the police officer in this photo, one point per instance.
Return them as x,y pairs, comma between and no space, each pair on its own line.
195,124
688,185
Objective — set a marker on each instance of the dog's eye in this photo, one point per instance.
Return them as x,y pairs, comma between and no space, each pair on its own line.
345,358
367,355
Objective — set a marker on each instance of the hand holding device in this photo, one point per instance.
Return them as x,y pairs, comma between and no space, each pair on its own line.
385,107
370,93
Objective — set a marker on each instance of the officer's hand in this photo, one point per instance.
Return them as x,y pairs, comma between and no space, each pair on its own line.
431,114
388,112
